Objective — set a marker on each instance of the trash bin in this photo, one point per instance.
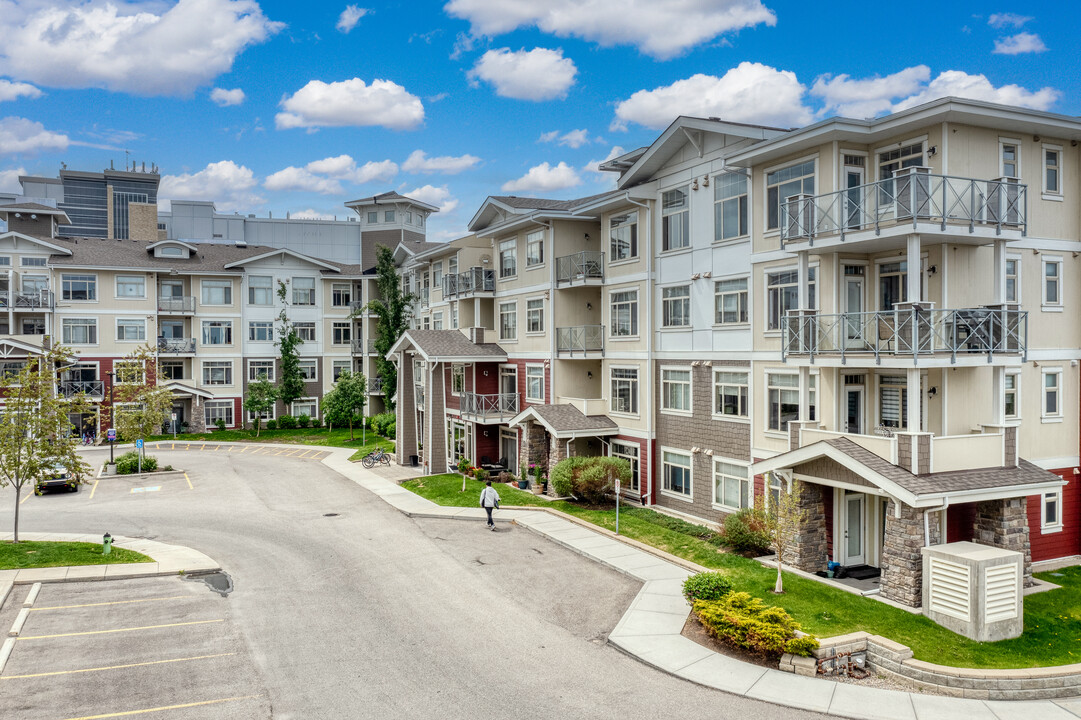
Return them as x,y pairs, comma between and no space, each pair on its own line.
414,460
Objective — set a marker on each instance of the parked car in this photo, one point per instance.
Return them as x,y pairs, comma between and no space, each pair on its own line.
56,478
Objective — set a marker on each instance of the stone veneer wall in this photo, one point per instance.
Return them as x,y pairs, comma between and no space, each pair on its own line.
808,550
1004,524
902,562
534,447
197,421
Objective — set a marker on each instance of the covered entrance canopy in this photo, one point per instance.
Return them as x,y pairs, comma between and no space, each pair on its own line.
550,432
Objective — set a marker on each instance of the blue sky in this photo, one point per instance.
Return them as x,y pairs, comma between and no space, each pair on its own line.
284,106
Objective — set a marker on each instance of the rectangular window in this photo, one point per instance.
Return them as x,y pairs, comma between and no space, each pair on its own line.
628,452
623,244
1051,513
730,206
534,383
676,390
341,294
782,184
675,219
33,262
214,410
340,366
131,286
508,321
1052,282
130,330
1052,168
892,284
1010,161
783,396
534,316
677,472
305,330
306,406
625,390
534,248
625,313
452,265
1052,393
676,306
731,486
437,274
80,331
457,379
893,402
217,332
79,287
508,258
454,316
261,331
217,292
341,333
261,369
172,369
1012,280
1010,401
303,291
782,295
219,372
129,372
437,321
730,301
730,393
308,370
373,218
388,216
260,290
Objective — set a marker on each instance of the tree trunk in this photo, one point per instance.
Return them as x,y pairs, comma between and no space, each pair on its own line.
351,438
18,491
779,587
257,425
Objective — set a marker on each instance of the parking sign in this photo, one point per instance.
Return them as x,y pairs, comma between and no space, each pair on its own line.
139,443
110,434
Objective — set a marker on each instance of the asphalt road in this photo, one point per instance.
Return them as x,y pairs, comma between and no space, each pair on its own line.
364,614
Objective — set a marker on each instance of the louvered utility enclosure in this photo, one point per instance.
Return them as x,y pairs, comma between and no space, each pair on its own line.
974,590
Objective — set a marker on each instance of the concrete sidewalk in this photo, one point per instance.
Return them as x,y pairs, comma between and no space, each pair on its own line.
651,628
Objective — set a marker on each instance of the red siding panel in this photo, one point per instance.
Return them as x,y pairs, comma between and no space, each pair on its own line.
1064,542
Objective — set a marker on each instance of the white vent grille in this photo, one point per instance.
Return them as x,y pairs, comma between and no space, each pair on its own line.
1001,587
950,589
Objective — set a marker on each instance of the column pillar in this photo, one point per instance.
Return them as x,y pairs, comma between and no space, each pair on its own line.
807,547
915,272
912,410
1004,524
1000,272
902,561
405,420
998,395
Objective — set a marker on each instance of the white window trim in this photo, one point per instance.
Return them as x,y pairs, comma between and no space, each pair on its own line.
1045,527
97,295
315,364
1017,144
203,368
129,298
499,276
528,398
686,188
638,379
251,324
766,232
689,498
1055,195
690,374
224,323
273,414
766,332
97,331
206,304
499,321
334,366
306,400
222,401
1051,306
1016,374
1020,273
607,234
544,312
765,397
750,213
116,329
747,291
690,307
544,254
1058,416
719,504
452,366
625,456
272,377
713,398
637,304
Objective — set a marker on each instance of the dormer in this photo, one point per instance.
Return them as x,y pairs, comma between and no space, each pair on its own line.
172,249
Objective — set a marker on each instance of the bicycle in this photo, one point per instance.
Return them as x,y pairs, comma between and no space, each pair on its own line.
375,456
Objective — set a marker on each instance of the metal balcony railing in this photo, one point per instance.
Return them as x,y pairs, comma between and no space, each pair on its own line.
176,345
912,195
418,395
471,281
580,339
580,267
375,386
70,388
355,305
371,346
425,296
501,406
181,304
32,300
910,331
363,347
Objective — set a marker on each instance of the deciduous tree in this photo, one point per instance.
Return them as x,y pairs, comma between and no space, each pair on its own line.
783,515
291,382
260,399
344,405
141,403
393,311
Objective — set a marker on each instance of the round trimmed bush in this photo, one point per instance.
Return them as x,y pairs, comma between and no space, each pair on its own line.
287,422
271,424
745,531
128,463
710,586
303,421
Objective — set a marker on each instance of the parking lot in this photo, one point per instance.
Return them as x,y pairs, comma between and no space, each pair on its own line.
127,648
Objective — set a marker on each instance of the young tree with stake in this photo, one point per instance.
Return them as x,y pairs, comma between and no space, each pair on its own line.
783,516
260,399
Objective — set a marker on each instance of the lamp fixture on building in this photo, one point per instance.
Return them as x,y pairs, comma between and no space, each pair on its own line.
589,374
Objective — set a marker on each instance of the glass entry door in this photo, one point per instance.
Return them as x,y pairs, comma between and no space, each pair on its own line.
508,450
855,520
458,446
854,410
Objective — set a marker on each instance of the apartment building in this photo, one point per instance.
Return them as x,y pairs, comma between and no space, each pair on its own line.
880,309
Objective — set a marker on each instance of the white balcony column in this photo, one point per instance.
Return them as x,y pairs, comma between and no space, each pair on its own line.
915,271
803,259
805,393
1000,272
913,418
998,394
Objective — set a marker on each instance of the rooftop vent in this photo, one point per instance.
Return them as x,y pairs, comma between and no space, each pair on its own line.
241,243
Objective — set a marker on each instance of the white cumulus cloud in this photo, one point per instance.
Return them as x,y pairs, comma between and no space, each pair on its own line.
978,87
573,139
867,97
351,103
14,90
311,214
537,74
300,179
659,28
438,196
344,167
1019,44
545,178
350,17
224,97
1001,20
9,180
146,48
419,162
608,179
229,185
19,135
748,93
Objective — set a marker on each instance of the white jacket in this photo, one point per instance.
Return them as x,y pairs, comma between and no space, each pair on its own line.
488,497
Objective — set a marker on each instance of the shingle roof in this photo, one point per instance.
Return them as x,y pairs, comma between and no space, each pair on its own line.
31,207
438,345
566,420
526,203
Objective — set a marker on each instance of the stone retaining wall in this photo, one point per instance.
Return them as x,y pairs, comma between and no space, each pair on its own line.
890,658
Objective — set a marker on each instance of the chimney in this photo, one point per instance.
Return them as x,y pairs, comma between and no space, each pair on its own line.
476,335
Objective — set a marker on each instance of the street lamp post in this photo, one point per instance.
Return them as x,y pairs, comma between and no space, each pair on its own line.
112,414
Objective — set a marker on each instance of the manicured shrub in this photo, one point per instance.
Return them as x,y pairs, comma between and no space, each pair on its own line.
303,421
710,586
391,431
383,424
316,422
590,479
128,463
287,422
271,424
746,622
220,424
745,531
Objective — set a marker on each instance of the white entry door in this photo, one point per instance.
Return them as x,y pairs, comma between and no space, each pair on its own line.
854,528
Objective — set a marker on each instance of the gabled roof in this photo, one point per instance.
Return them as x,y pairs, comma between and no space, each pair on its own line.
179,388
928,490
52,247
181,243
390,198
447,346
499,210
409,248
566,421
281,251
36,209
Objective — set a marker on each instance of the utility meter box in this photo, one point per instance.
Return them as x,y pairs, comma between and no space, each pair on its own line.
974,590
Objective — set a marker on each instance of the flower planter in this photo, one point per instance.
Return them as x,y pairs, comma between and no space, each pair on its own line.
523,484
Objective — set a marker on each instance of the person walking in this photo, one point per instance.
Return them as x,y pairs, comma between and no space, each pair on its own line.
489,500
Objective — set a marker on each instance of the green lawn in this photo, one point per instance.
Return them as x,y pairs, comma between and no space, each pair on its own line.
1052,619
301,436
30,554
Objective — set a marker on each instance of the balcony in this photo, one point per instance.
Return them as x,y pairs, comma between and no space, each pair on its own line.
95,389
180,305
176,346
580,341
356,305
948,452
418,395
912,198
581,268
488,408
471,282
363,347
375,386
910,332
29,300
425,297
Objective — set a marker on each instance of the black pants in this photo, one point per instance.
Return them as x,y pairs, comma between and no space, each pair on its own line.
490,521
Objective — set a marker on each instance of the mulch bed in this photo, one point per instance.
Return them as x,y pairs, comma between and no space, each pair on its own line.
694,630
